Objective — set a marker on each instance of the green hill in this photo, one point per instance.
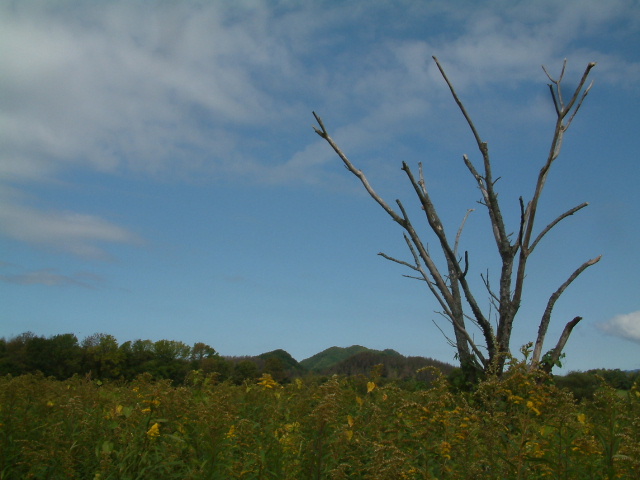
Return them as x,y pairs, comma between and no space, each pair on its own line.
288,362
334,355
394,366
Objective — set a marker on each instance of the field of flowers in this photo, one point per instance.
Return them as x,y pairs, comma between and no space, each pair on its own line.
517,427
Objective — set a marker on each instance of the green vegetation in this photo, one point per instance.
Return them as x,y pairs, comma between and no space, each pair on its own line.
100,356
519,426
146,410
331,356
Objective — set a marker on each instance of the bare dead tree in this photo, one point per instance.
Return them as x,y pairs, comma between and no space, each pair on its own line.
451,288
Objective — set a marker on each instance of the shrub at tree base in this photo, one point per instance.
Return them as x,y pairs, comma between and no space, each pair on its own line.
519,426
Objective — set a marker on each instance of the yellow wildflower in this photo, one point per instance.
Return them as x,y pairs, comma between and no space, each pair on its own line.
370,387
232,432
582,418
267,381
445,448
532,407
154,431
515,399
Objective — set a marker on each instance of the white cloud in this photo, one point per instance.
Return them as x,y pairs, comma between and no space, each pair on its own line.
124,85
625,326
171,88
75,233
197,89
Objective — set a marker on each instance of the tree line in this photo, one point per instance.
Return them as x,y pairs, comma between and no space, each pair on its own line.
102,358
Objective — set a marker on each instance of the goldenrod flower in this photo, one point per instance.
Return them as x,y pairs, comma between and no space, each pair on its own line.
532,407
267,381
445,448
154,431
370,387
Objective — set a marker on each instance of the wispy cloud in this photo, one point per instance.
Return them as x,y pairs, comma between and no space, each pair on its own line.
75,233
205,89
625,326
177,87
51,278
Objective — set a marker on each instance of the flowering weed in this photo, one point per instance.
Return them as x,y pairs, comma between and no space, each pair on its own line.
519,426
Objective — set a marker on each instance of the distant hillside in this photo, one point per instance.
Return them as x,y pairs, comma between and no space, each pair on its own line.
395,366
332,356
349,361
286,360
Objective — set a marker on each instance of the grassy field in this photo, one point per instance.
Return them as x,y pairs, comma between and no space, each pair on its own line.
519,427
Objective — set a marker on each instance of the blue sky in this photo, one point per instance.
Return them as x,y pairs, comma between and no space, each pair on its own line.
160,177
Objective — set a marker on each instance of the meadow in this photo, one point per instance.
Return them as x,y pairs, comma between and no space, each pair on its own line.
519,426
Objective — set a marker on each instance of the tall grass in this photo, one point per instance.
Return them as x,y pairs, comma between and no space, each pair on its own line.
517,427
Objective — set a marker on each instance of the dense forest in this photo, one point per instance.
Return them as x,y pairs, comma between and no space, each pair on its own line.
102,358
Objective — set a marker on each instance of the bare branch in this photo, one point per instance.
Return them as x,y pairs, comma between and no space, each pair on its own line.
421,182
555,222
466,263
554,151
464,220
449,341
412,277
553,97
401,262
452,261
547,74
564,67
546,317
433,219
481,145
403,222
578,89
469,340
425,277
584,95
554,355
358,173
497,223
485,280
523,221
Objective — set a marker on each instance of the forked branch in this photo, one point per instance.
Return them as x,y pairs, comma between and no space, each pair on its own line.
546,317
